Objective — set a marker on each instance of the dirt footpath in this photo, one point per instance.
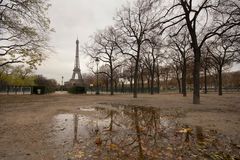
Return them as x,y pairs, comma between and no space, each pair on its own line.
26,121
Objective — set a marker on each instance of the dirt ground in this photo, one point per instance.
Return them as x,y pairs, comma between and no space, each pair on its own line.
26,120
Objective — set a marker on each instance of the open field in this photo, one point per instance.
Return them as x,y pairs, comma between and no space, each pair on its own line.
37,127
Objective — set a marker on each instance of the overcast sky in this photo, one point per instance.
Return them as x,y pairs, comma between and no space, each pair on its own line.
70,19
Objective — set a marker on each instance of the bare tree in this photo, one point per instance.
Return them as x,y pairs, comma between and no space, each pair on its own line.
104,48
223,53
142,76
176,68
133,24
158,74
127,72
206,65
204,19
165,72
152,52
181,53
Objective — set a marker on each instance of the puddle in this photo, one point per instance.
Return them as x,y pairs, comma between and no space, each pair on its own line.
87,109
132,132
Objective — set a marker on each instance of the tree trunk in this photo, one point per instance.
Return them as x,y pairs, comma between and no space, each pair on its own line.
139,84
196,76
116,86
215,82
179,84
152,77
166,82
152,83
123,87
16,89
131,85
142,81
135,82
111,82
184,77
205,80
197,55
220,81
8,90
148,85
158,84
106,83
135,85
131,82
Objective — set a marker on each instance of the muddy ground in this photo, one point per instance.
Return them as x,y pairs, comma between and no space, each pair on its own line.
37,127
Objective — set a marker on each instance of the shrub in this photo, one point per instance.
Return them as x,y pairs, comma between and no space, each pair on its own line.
77,90
38,90
42,90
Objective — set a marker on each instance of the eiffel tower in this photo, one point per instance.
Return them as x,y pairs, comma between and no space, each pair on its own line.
77,70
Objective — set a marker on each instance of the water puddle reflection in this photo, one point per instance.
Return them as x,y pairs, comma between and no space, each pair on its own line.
132,132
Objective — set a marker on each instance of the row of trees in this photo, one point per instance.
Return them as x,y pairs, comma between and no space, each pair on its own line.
183,35
20,76
167,79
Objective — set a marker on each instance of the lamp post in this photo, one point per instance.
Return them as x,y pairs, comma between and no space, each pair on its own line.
97,62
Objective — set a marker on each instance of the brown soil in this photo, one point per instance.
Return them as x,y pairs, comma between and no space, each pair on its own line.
26,129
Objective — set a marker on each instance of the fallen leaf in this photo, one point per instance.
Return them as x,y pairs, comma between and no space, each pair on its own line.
98,141
113,146
185,130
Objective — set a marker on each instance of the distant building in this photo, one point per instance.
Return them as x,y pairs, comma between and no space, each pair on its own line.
76,71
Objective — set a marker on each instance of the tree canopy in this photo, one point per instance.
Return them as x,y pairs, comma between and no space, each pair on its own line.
24,31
